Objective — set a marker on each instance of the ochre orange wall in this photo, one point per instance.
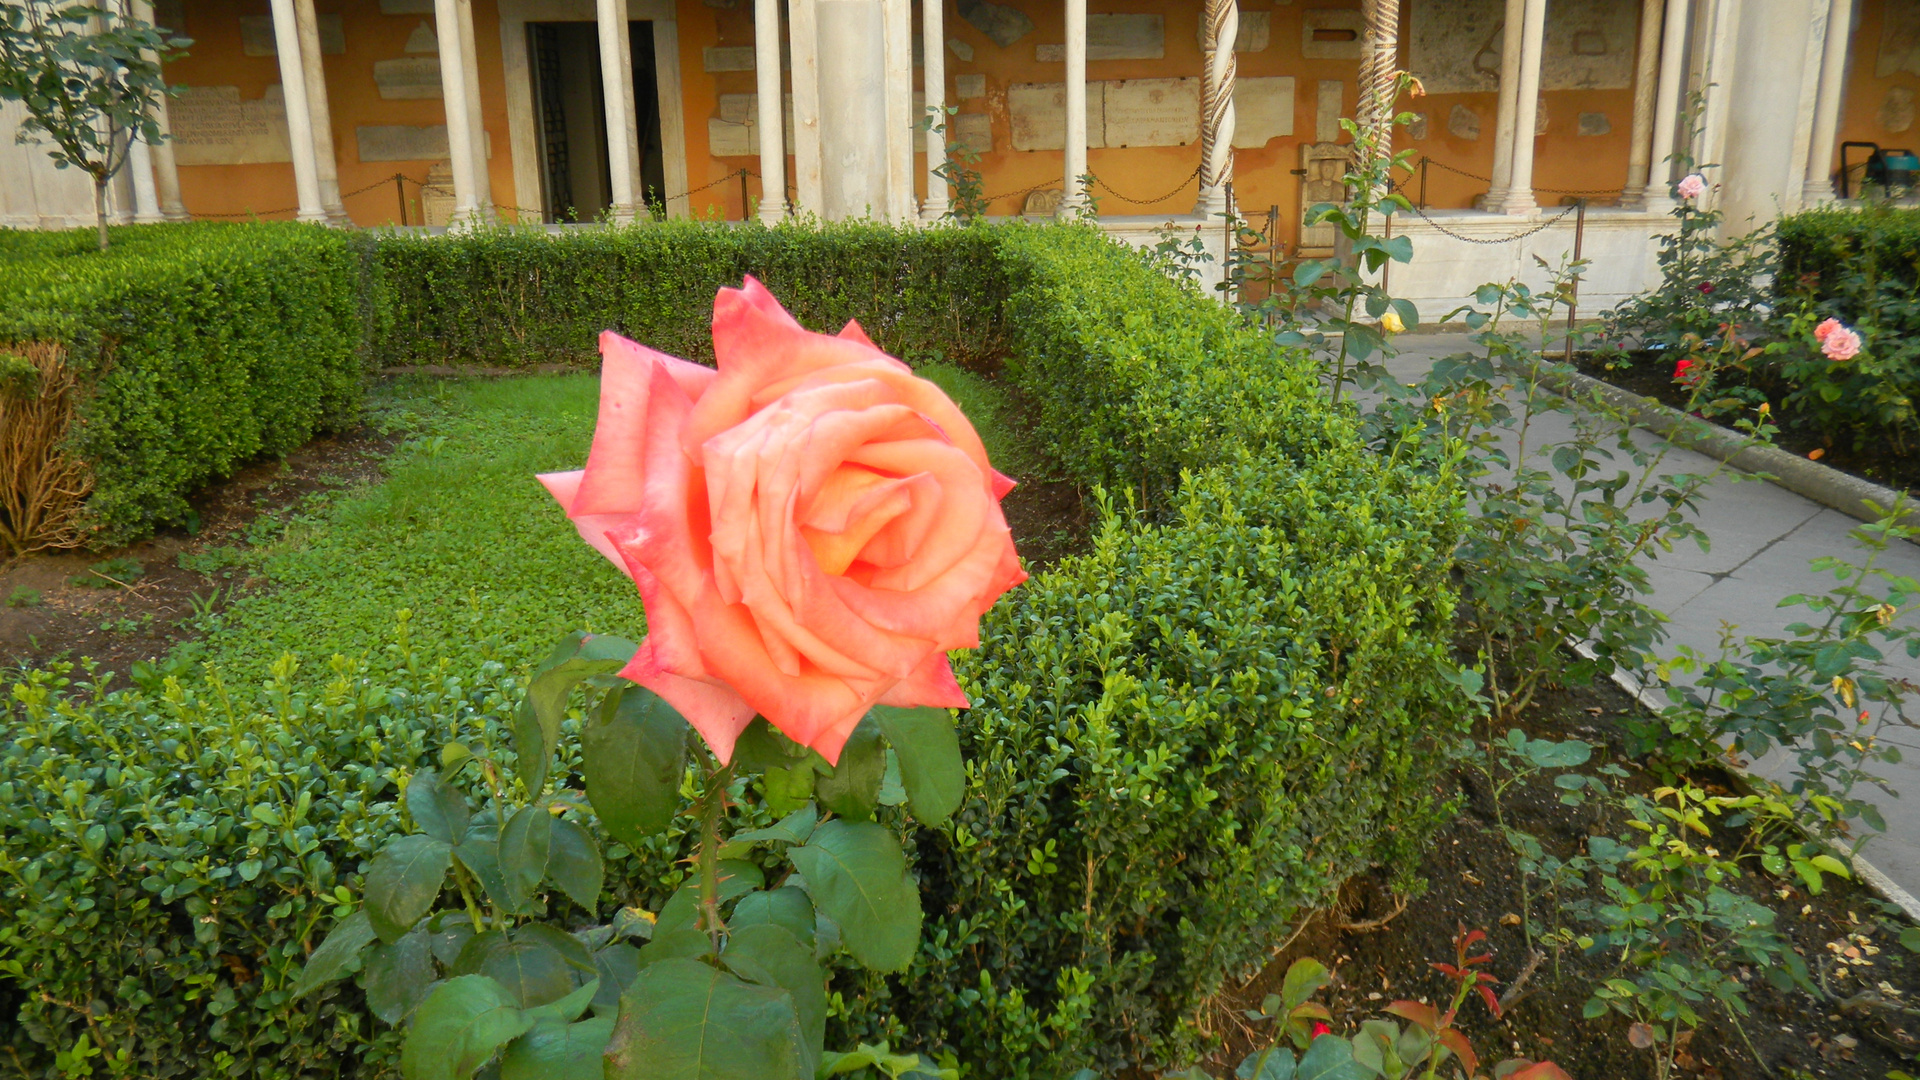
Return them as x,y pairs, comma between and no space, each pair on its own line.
1860,109
216,59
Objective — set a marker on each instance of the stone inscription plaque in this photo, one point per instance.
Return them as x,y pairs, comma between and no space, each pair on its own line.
408,78
1326,110
213,125
1116,37
1454,45
423,39
400,142
971,131
727,58
1331,34
735,132
1038,115
256,35
1262,109
1899,39
970,86
1152,112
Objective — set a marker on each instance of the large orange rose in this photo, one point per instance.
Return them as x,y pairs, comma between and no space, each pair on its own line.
811,527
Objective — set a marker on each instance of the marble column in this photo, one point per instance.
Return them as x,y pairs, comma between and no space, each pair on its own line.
1379,71
146,200
1658,196
897,16
1074,197
165,173
1826,120
934,81
1526,112
293,81
854,161
470,71
1646,78
1220,29
469,204
616,83
1510,36
773,148
326,164
803,38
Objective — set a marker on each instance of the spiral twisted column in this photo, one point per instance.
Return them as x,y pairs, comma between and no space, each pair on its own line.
1379,72
1222,30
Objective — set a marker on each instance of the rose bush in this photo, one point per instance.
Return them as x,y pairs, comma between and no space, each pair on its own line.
811,527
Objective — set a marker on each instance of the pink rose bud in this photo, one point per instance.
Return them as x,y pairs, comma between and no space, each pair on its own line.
812,527
1692,186
1826,327
1841,344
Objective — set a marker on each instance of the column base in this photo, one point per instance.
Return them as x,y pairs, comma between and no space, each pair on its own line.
1212,201
175,213
337,216
1516,204
149,219
312,217
772,214
934,210
1818,193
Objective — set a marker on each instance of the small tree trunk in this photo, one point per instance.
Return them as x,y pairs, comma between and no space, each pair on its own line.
100,208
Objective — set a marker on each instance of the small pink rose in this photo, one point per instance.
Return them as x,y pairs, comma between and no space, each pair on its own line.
1826,327
1841,344
812,527
1692,186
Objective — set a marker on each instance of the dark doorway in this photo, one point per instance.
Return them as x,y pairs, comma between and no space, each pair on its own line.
570,112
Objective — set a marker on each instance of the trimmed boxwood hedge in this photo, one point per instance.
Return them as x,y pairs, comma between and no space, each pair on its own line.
200,347
1182,740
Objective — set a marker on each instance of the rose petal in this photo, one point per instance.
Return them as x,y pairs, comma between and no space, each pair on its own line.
932,684
639,399
711,707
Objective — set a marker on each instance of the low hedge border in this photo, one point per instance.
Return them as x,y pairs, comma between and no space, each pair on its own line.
1181,740
198,348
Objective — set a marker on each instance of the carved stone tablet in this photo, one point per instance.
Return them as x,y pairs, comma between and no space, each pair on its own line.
970,86
1418,126
408,78
400,142
1463,123
727,58
1325,165
1326,116
213,125
735,131
971,131
423,39
1595,123
1152,112
1454,45
1899,39
1042,204
1263,110
960,48
1896,109
1037,113
256,35
436,198
1331,34
1002,24
1116,37
406,7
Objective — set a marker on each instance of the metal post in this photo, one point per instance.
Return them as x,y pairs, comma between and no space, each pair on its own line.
400,189
1423,183
1386,268
745,210
1573,300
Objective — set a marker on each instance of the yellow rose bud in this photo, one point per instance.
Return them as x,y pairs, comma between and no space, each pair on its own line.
1390,322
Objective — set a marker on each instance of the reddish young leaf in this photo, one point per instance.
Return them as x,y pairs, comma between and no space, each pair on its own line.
1493,1003
1640,1036
1452,1039
1412,1011
1539,1070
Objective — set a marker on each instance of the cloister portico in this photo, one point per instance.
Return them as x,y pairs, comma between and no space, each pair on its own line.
1149,114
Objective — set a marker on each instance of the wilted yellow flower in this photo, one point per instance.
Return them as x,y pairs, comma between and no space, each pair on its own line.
1390,322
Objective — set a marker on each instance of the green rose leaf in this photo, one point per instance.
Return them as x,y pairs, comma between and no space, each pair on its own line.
931,768
634,753
437,807
536,729
686,1020
858,876
786,907
559,1051
852,789
524,844
403,882
335,955
761,747
528,968
1273,1063
569,1008
399,975
1330,1057
459,1027
768,954
480,854
573,862
792,829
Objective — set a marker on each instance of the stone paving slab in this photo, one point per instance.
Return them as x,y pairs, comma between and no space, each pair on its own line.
1763,538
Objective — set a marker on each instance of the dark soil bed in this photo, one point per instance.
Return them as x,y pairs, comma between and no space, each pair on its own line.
50,614
1651,375
1472,881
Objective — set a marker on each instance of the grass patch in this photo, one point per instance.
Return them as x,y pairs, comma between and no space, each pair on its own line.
463,539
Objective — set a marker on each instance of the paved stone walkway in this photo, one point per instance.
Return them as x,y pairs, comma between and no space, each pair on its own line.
1763,539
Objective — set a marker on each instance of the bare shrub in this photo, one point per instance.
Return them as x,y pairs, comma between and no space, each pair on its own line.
42,487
